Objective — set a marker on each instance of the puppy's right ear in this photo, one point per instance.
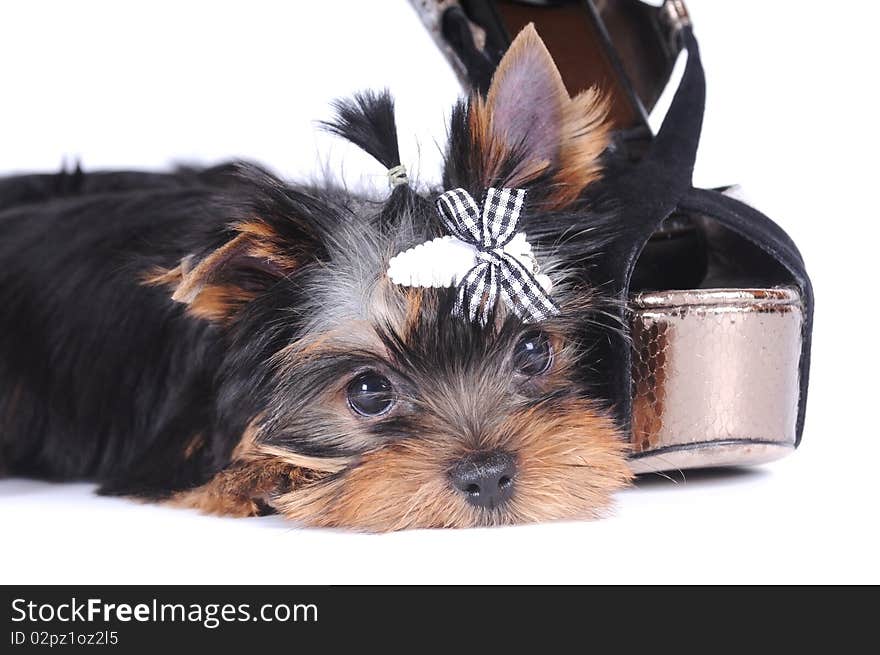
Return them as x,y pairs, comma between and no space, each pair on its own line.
528,125
216,285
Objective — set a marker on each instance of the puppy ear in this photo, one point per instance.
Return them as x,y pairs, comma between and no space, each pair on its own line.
216,285
529,126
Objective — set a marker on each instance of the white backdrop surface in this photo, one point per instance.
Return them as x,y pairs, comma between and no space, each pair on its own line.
790,115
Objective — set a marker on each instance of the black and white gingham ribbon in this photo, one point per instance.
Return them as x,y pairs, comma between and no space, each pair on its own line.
496,273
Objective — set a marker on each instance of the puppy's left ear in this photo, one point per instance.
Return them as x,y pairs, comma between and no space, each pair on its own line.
217,284
528,125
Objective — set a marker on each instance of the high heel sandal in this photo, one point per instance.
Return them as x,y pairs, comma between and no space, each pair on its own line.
714,368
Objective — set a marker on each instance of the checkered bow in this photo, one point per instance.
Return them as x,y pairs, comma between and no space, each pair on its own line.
497,272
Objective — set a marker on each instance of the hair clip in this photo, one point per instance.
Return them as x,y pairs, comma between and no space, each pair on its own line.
397,176
484,256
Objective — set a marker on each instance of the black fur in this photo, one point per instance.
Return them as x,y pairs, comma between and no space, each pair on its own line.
103,377
367,120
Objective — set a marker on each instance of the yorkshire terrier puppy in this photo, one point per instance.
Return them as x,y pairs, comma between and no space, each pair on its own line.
222,340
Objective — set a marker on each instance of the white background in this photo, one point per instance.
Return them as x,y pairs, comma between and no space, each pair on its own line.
791,114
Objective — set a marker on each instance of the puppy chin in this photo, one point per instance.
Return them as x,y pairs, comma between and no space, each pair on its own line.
570,459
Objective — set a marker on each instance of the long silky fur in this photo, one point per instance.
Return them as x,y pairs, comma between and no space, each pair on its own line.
155,323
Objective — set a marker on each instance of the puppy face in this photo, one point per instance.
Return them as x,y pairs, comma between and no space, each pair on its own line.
447,424
409,415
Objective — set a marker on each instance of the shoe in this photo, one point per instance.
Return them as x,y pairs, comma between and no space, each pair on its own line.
713,366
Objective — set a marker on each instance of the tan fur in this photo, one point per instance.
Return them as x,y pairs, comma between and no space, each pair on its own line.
251,449
210,301
583,129
219,302
357,334
242,489
492,151
194,280
159,276
257,229
201,286
257,472
415,304
266,244
569,464
585,134
319,464
196,443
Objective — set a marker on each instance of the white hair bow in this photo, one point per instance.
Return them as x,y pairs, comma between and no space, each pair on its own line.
484,256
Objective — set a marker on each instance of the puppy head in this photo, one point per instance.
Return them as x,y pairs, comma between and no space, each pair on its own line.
446,423
419,417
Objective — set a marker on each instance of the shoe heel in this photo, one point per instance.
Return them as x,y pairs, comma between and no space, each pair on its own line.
715,377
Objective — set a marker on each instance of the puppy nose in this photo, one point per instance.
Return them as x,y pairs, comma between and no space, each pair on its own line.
486,479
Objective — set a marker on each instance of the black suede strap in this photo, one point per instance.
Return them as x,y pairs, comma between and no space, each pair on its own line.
645,194
649,191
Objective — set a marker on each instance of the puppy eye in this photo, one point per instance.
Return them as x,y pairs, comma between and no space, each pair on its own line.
533,353
370,394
